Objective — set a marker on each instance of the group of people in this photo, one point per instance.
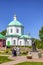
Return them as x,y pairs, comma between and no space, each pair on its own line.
15,51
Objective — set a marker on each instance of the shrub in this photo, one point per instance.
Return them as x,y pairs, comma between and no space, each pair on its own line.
6,51
24,53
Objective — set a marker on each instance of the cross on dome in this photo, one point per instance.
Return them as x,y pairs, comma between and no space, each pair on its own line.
15,17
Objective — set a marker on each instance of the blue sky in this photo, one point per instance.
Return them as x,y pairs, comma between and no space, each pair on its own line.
29,13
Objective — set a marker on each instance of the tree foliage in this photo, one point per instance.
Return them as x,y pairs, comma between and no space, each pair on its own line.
38,42
41,34
3,32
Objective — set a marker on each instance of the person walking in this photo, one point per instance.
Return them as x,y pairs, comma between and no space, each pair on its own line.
18,51
13,51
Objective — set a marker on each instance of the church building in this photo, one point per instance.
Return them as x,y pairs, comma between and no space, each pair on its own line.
15,34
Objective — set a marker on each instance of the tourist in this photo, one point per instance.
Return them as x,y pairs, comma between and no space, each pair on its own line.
18,51
13,51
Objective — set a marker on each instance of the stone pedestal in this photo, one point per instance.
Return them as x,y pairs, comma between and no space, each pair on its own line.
35,54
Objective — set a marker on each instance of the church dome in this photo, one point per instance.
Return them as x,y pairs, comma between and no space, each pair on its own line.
15,22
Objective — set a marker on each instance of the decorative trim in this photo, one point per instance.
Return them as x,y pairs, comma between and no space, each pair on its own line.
15,26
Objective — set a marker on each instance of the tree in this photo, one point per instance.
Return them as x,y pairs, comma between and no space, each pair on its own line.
41,34
38,42
3,32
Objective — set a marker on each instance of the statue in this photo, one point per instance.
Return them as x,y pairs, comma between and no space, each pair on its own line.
33,46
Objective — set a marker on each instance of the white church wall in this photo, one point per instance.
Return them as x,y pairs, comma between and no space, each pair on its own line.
9,30
29,42
16,41
20,30
21,42
14,30
9,39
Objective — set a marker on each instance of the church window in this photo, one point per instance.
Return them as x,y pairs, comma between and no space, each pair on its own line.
11,30
14,42
17,30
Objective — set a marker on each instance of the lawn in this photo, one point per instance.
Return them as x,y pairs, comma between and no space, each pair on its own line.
30,63
4,59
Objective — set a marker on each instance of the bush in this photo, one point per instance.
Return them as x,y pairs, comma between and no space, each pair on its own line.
6,51
24,53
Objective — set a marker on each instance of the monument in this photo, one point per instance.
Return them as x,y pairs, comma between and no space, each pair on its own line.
34,46
34,53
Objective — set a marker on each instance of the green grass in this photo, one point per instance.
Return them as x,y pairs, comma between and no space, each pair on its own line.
4,59
30,63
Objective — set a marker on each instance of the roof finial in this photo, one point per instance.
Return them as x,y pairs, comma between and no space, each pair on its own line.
15,17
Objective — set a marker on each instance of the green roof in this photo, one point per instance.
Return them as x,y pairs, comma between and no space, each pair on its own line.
2,37
13,35
25,36
15,23
20,36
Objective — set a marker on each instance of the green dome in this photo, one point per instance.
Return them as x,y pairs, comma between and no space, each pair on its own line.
15,23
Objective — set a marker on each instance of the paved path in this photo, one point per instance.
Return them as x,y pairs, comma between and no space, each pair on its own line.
20,59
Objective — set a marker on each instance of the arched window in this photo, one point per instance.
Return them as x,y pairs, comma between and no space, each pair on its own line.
14,42
11,30
17,30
